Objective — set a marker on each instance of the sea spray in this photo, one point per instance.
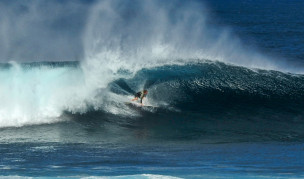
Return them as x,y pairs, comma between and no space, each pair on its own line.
133,35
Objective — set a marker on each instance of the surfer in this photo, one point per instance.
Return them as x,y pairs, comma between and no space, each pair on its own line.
141,95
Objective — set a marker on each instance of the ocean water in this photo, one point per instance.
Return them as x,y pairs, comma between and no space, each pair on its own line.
225,79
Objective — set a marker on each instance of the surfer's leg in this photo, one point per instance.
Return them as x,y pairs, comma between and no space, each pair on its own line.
136,98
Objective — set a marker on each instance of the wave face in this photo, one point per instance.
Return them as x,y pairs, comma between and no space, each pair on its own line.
213,99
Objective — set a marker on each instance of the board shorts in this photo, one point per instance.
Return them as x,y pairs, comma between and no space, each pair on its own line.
137,95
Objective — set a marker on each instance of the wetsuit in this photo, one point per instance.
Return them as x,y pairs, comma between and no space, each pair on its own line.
140,95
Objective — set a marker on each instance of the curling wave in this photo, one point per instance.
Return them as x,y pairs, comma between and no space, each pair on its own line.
210,101
131,45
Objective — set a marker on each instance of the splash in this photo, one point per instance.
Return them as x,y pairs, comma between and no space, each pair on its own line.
132,35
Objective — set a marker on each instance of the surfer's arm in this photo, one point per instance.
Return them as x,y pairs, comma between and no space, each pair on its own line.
141,100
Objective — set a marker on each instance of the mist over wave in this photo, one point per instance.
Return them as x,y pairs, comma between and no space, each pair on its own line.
121,40
133,35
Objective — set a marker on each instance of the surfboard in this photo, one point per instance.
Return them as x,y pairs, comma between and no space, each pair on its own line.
135,104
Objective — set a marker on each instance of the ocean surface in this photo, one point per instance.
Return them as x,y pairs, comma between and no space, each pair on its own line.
226,94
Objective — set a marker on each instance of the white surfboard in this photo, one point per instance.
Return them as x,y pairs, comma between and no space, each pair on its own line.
135,104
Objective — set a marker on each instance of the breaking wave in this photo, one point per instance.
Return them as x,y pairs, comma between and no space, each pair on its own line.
168,48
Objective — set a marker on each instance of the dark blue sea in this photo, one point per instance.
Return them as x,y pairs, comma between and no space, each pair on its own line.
225,81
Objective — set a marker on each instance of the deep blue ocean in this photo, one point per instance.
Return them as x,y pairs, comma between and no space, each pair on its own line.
225,81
